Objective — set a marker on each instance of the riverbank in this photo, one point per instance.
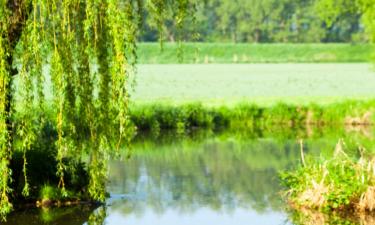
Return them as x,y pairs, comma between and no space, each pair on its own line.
150,53
160,116
179,119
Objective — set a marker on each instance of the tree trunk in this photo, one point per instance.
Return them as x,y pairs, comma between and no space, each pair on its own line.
19,12
257,35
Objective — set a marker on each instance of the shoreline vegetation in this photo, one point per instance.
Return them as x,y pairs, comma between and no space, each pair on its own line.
343,184
180,119
205,53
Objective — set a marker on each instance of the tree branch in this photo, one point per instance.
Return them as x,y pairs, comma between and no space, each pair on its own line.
20,11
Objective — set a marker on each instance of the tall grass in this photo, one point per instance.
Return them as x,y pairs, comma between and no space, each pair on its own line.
159,116
182,117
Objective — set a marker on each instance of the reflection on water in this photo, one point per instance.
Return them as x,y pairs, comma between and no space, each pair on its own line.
67,215
228,178
221,176
200,216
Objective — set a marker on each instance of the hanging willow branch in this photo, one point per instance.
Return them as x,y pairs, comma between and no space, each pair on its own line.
87,48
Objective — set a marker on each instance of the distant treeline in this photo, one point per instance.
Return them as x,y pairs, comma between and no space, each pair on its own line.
252,21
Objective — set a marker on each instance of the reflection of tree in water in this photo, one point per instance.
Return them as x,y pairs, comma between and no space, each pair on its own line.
77,215
313,217
221,171
98,216
57,216
220,174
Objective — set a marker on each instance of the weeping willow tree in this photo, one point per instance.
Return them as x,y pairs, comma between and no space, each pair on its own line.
88,50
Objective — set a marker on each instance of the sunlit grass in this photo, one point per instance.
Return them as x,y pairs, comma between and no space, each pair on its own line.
261,84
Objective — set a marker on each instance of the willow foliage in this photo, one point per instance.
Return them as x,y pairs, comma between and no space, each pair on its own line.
88,48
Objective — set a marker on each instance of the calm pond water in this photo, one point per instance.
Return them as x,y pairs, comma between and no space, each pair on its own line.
202,178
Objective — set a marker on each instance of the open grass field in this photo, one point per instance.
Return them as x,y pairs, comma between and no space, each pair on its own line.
263,84
150,53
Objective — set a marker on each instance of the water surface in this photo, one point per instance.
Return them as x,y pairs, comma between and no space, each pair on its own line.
200,178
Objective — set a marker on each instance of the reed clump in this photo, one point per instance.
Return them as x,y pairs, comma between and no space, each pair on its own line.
339,184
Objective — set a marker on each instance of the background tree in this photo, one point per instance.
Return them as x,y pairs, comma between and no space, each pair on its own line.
332,11
287,21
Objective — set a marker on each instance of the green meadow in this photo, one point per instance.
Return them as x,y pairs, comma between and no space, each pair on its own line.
262,84
152,53
183,96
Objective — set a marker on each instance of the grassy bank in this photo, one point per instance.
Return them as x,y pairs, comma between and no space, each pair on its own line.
186,116
149,53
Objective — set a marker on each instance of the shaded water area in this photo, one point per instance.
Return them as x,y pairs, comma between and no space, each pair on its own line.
205,177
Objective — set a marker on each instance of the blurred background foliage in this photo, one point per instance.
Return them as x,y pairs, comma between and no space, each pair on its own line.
261,21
